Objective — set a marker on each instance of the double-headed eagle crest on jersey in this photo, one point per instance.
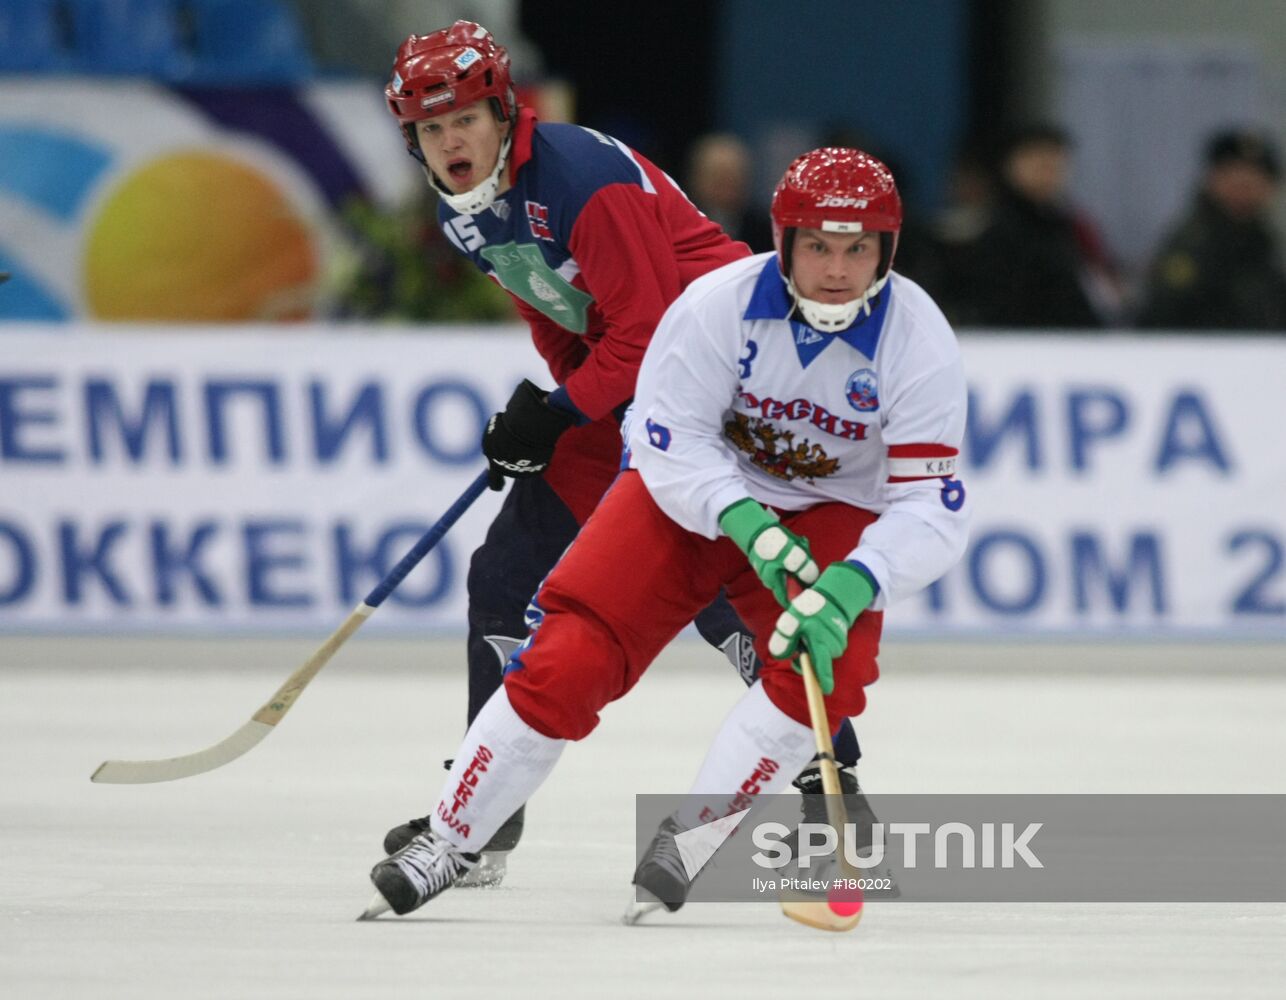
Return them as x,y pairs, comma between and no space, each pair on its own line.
775,451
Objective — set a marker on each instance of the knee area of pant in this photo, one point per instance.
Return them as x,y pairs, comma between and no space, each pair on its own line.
558,715
785,689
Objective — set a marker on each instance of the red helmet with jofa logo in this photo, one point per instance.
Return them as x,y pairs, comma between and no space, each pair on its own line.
840,191
446,70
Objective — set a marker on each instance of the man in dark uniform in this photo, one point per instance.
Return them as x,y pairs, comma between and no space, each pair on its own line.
1038,259
1219,269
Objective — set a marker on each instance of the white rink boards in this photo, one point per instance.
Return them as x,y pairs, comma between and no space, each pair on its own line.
245,882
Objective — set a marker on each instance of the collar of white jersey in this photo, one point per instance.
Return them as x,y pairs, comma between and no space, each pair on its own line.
770,300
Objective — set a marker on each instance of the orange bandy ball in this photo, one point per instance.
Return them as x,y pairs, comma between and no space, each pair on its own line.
199,237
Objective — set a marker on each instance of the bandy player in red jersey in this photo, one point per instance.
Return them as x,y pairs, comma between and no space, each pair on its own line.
796,422
593,242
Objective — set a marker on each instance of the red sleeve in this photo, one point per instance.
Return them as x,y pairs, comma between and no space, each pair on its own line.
562,350
627,261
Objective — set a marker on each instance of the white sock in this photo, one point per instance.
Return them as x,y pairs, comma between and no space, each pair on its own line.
501,762
758,751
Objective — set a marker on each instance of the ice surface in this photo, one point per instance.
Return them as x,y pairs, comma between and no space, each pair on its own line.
246,882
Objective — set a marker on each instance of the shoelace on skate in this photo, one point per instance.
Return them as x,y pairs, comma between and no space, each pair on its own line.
665,849
429,863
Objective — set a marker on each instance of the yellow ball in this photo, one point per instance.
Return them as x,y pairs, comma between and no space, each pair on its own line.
198,237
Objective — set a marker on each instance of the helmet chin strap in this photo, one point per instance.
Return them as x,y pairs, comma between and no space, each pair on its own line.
481,197
832,317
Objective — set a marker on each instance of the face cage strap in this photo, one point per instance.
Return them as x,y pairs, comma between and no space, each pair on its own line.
480,198
827,317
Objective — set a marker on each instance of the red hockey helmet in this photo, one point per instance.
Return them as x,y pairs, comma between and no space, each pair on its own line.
446,70
841,191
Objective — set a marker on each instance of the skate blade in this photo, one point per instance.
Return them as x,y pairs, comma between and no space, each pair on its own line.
638,908
375,907
487,874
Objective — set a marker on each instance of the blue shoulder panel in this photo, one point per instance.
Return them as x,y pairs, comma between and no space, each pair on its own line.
571,164
523,239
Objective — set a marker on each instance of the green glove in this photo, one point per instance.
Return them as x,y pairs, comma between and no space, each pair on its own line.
820,618
776,553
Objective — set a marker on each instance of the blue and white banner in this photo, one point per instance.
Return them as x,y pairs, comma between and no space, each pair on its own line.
203,479
1121,485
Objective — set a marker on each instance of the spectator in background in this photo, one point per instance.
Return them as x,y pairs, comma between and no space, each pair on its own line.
719,179
1038,262
956,229
970,192
1219,268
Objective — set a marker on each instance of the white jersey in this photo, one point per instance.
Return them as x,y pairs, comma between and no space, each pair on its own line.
736,399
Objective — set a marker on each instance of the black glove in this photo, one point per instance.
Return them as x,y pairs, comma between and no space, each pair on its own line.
520,441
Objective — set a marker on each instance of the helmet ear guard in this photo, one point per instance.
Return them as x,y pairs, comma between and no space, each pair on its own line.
413,145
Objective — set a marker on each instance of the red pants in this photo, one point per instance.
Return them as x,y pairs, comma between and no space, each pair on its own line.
633,579
586,460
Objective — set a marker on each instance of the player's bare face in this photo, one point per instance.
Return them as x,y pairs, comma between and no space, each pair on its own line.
462,146
834,268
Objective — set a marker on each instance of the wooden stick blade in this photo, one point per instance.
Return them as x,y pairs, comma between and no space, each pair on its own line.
840,908
820,914
142,772
245,739
137,772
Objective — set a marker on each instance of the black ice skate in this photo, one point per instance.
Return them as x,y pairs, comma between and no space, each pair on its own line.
490,870
660,880
425,867
857,810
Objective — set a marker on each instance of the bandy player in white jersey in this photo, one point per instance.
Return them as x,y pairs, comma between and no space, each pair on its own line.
796,424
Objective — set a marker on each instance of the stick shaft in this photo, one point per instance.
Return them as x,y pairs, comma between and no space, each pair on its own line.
821,732
279,704
831,787
429,539
820,913
276,707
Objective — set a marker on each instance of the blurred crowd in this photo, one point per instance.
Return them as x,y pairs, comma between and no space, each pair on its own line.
1009,250
1012,251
